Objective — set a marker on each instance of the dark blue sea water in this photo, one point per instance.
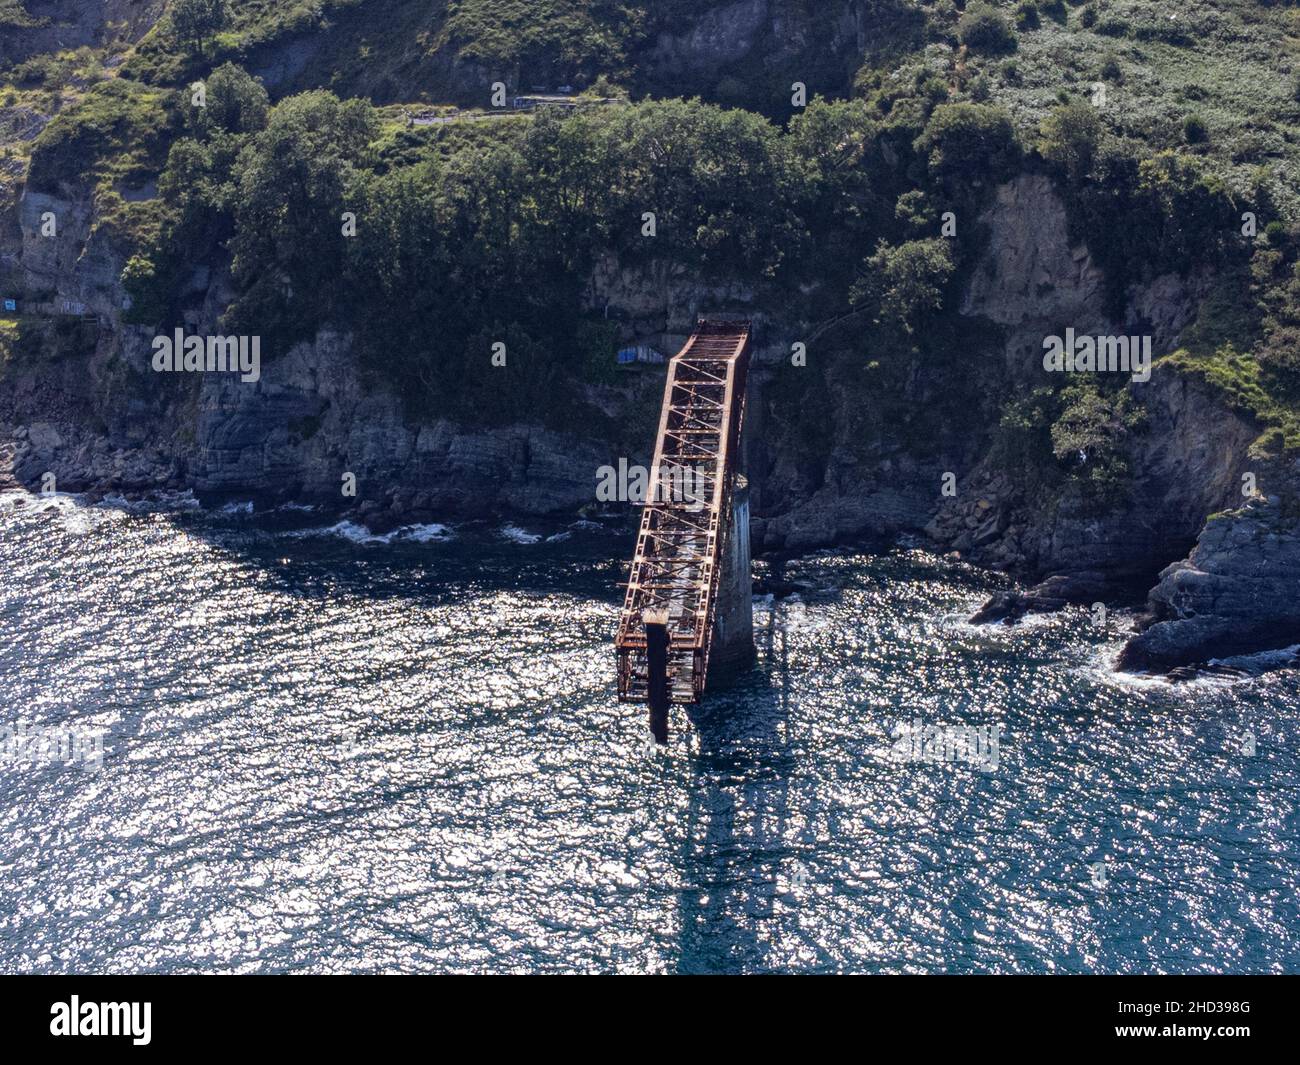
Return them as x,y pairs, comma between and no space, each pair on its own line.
405,754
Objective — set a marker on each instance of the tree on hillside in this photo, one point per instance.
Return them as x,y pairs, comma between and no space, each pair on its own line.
1071,136
197,20
984,28
967,143
903,283
292,179
236,103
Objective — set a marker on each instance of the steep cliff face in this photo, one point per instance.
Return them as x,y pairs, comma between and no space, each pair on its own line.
1031,280
1184,462
52,25
92,422
78,264
1035,282
819,44
661,300
718,37
309,420
675,49
1236,592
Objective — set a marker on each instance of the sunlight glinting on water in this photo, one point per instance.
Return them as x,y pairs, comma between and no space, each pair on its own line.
405,754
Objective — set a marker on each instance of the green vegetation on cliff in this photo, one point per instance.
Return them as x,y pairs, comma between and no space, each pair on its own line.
1162,126
13,15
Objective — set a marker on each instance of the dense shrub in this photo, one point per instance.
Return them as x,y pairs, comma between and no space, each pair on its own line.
1141,217
13,14
149,291
966,143
985,29
1055,10
903,283
1194,130
1027,15
1090,434
1071,135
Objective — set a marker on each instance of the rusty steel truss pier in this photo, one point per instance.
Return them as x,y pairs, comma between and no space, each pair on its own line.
666,630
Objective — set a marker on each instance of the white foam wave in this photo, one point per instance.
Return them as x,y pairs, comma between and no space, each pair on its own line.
517,535
359,534
168,500
1261,661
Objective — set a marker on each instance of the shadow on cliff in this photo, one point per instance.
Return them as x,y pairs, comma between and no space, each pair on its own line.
733,863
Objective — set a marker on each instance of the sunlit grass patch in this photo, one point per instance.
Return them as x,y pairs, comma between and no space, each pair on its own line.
1242,384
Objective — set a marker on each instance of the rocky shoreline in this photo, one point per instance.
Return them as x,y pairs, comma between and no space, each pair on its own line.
1236,593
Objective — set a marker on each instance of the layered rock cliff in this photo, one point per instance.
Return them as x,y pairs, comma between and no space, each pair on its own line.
1186,462
1238,592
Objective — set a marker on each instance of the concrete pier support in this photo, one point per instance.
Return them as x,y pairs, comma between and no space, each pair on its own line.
732,649
657,695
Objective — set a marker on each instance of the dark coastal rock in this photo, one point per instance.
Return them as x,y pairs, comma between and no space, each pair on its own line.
309,420
1184,673
779,588
1055,593
1237,593
1006,607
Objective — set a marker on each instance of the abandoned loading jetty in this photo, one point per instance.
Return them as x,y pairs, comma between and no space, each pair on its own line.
688,614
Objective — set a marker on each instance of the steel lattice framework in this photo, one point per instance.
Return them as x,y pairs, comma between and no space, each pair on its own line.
687,513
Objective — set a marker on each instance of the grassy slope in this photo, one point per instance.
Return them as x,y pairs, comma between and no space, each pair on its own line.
1233,63
420,50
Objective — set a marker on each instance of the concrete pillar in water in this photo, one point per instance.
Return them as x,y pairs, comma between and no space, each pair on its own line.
733,627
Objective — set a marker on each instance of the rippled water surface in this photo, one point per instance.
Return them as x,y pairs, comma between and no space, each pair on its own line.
405,754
